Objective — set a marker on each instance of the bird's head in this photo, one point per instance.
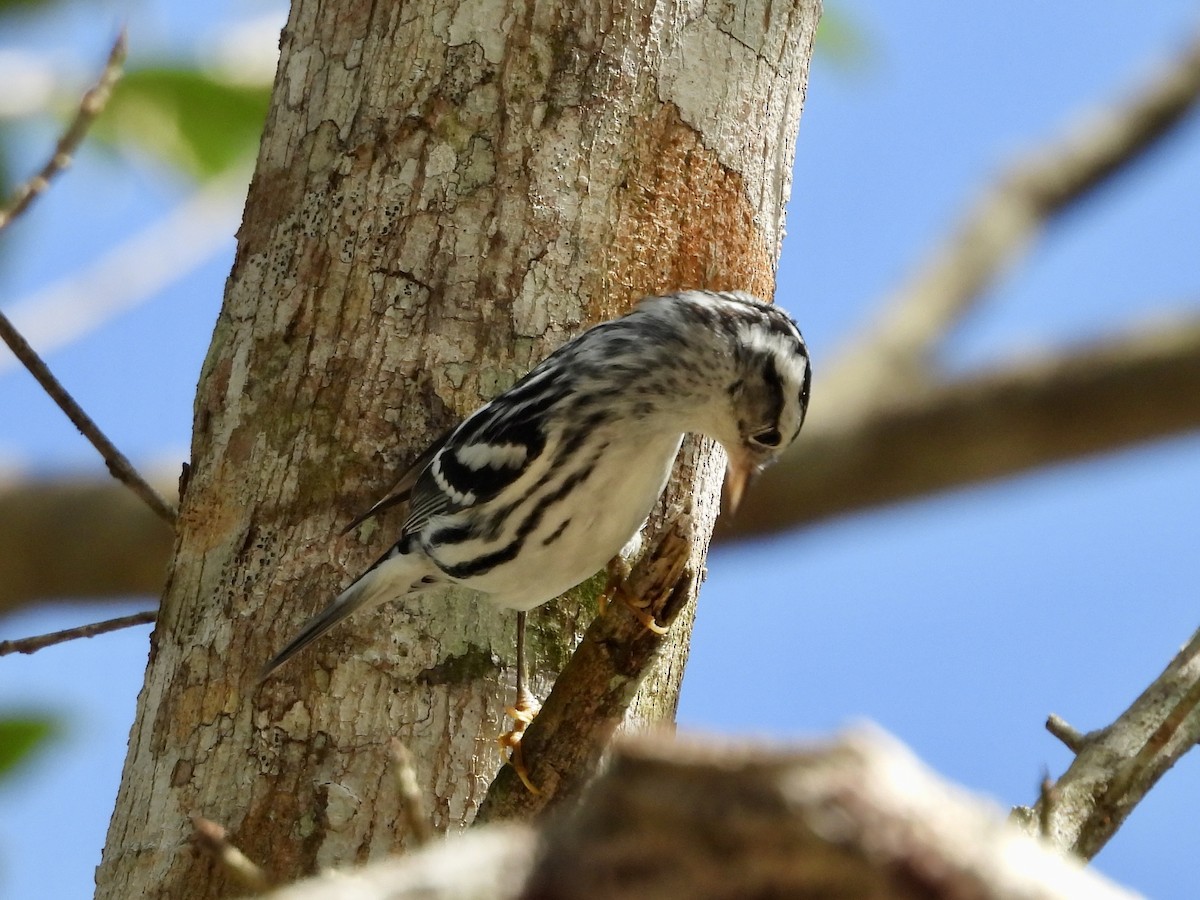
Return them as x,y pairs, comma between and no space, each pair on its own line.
768,392
746,362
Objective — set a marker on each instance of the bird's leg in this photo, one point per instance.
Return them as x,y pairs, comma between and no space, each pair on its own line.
614,589
522,713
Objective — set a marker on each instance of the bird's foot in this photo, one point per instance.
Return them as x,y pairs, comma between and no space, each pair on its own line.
614,589
522,713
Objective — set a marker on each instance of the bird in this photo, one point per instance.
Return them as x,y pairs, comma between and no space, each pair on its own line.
540,488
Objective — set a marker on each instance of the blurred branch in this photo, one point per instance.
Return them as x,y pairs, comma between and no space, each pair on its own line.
412,804
214,840
1030,414
41,641
691,820
1117,766
90,107
136,270
77,539
1102,398
888,357
885,427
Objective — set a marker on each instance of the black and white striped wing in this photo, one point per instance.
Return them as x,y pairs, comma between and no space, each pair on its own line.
487,454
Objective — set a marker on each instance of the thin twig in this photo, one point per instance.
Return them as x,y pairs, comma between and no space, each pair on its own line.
118,465
1072,737
90,107
38,642
411,802
215,840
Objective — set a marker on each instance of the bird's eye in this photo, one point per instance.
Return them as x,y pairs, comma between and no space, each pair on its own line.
767,438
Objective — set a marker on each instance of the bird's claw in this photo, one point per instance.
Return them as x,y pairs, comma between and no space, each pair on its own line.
614,589
642,616
522,713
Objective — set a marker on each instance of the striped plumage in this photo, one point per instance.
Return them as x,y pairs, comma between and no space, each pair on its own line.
538,489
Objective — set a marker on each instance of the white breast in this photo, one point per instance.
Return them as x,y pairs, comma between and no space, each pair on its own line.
602,513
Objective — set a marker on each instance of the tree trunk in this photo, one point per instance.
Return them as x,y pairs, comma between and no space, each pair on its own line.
445,192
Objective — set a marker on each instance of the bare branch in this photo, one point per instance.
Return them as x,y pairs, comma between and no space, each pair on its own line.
1097,399
118,465
1117,766
33,644
563,745
894,352
90,107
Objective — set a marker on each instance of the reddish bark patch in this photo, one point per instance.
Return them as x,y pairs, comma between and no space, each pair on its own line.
684,221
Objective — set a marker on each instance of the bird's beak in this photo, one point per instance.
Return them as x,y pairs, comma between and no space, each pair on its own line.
737,476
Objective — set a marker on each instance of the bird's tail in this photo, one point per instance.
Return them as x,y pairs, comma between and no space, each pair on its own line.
384,581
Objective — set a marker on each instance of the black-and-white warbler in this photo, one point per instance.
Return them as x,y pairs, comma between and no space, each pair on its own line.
538,489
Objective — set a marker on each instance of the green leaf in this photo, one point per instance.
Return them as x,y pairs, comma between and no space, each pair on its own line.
185,117
843,41
7,6
20,736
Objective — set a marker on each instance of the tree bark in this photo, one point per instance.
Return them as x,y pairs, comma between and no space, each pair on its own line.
445,191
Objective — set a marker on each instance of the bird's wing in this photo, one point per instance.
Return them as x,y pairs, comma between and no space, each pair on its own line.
485,455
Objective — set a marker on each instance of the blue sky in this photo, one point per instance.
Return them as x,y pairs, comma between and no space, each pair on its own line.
958,623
